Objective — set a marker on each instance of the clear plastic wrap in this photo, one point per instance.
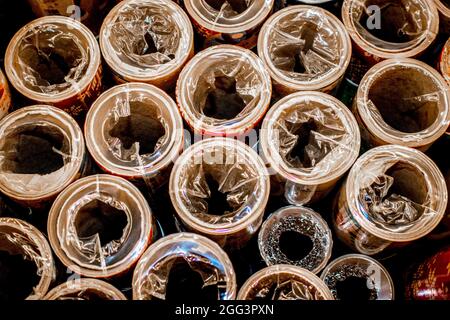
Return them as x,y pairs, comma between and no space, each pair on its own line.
284,282
296,236
85,289
304,48
355,277
219,188
55,60
392,195
41,152
228,21
404,102
26,264
89,12
5,96
135,131
147,41
99,226
444,64
383,29
186,267
223,90
310,140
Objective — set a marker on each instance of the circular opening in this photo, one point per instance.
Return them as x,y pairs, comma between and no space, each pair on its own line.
358,278
407,99
35,149
391,26
310,137
227,185
52,58
100,225
142,39
296,236
222,89
283,282
184,267
100,218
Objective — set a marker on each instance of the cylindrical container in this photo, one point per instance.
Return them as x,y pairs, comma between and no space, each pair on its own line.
85,289
135,131
184,267
310,140
228,22
304,48
55,60
431,279
89,12
356,277
147,41
284,282
5,96
404,102
219,188
296,236
384,29
99,226
393,195
444,62
26,263
41,152
443,7
223,91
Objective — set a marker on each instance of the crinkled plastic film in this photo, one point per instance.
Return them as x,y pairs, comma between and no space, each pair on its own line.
305,48
239,79
284,282
135,131
421,99
393,194
214,171
385,28
445,61
310,139
100,225
300,220
143,40
151,276
41,152
85,289
17,237
5,96
378,281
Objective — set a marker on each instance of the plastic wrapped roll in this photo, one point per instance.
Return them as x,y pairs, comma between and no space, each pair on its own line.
223,91
431,279
41,152
26,264
228,21
89,12
310,140
384,29
99,226
85,289
296,236
284,282
444,62
184,267
404,102
356,277
55,60
304,48
443,7
147,41
219,188
393,195
135,131
5,96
